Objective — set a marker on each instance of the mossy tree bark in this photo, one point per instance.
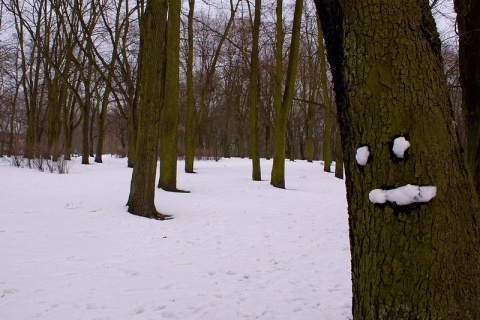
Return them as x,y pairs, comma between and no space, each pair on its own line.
142,188
419,261
169,116
253,96
468,22
282,108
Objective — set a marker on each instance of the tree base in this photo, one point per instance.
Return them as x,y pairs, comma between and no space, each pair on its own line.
278,184
152,215
175,190
162,217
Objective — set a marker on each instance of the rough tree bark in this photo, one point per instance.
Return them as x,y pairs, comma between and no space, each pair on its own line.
419,261
142,188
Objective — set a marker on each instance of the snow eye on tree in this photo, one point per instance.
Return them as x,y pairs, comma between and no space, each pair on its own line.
403,195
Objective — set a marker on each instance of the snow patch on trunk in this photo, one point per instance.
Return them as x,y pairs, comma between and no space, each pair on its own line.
400,145
362,155
403,195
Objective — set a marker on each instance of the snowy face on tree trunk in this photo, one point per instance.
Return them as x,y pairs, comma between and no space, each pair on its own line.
403,195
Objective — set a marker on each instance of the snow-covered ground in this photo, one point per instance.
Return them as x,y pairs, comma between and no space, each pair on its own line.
236,249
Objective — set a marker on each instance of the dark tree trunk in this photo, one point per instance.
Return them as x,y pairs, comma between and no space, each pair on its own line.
468,22
85,131
418,261
142,189
189,117
253,97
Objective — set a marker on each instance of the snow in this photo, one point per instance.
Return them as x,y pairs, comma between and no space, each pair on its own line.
403,195
400,145
236,249
362,155
378,196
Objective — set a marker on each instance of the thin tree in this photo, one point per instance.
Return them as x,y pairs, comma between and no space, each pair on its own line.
253,96
189,116
327,149
415,254
153,26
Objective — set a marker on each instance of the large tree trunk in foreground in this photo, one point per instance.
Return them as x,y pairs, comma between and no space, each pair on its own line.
468,22
142,188
417,261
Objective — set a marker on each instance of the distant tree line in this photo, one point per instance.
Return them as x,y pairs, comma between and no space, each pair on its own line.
71,82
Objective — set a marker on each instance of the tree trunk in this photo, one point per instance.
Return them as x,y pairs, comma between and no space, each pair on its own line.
132,121
86,107
253,97
169,117
282,110
142,189
189,122
93,115
30,135
101,124
133,108
85,131
310,123
327,149
468,22
53,121
417,261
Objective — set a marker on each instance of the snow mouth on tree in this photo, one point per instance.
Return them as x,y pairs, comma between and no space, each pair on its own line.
404,195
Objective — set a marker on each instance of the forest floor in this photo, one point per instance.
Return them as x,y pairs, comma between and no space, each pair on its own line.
235,248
